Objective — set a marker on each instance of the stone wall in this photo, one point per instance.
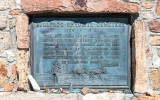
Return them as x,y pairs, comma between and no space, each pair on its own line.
8,45
15,37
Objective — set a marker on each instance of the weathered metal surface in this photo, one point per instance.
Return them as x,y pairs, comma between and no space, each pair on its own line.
81,51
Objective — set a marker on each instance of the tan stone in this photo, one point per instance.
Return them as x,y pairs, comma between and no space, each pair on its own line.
155,41
85,90
4,78
22,69
1,50
149,92
158,8
22,31
66,92
107,6
155,78
144,98
139,58
6,4
147,4
3,22
157,97
14,12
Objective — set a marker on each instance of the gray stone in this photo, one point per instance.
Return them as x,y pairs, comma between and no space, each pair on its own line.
34,83
18,3
79,96
10,59
156,63
128,96
6,46
5,41
158,52
3,22
132,1
1,90
146,15
1,49
40,94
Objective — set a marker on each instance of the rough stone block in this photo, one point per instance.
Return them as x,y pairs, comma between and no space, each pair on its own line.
9,87
12,23
3,22
4,78
14,72
144,98
155,77
158,8
6,4
147,15
156,63
139,66
10,56
85,90
22,31
147,4
31,95
22,69
155,41
154,26
5,41
108,6
14,12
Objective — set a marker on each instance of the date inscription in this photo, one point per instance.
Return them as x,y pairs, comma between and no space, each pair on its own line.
81,51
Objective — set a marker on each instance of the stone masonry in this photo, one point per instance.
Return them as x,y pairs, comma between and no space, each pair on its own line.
108,6
15,38
140,74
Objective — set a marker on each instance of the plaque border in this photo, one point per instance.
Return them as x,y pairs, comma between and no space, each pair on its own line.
63,15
